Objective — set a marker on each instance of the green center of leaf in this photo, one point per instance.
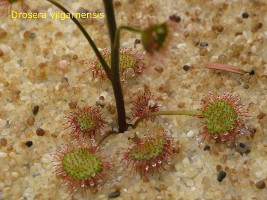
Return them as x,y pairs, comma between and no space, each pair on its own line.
126,61
81,164
220,117
148,150
86,121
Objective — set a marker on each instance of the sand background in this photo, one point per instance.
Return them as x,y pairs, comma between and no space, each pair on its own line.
41,64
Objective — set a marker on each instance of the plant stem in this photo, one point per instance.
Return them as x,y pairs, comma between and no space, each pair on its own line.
115,75
107,134
112,27
87,36
176,112
131,29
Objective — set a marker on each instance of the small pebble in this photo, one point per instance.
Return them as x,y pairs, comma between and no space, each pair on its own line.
32,35
245,86
242,145
25,8
63,64
218,28
176,149
3,33
204,44
137,41
6,84
175,18
114,194
245,15
261,115
117,3
247,151
15,95
27,34
35,110
221,176
34,174
181,105
42,65
73,104
12,163
30,121
252,73
111,108
35,11
198,11
82,10
238,33
58,34
186,67
190,134
3,155
159,69
252,129
242,149
40,132
75,57
203,51
186,34
10,148
64,80
45,160
239,20
260,184
14,175
100,103
1,53
206,148
237,155
7,124
145,179
256,27
218,168
196,42
28,143
3,141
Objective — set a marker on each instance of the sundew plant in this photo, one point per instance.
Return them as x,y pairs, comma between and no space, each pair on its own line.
83,164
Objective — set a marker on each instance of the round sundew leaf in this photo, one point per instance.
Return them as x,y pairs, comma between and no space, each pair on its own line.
220,117
148,150
126,61
107,58
86,121
153,38
81,164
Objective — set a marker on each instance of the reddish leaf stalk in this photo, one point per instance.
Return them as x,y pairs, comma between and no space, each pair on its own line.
228,68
